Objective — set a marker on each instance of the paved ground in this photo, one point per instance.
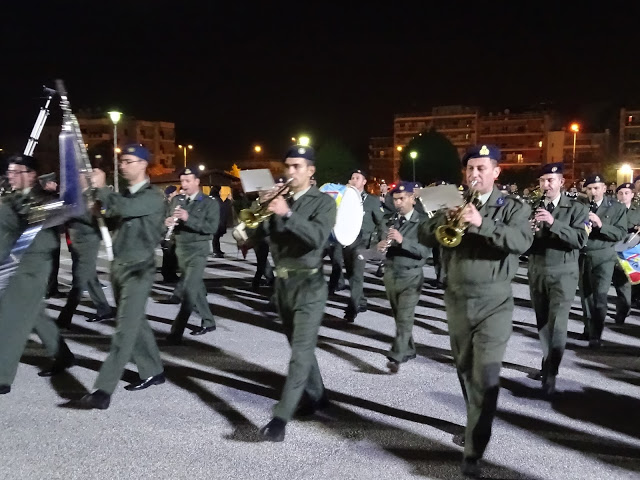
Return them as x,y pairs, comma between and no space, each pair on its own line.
202,424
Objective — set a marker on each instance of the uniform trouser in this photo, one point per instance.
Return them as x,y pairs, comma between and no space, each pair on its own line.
194,294
623,293
437,264
21,312
552,293
336,279
354,263
263,267
85,277
403,291
169,262
300,300
596,271
133,339
52,284
479,328
215,243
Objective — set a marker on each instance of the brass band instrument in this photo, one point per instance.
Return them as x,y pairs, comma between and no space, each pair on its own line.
535,205
254,216
593,206
450,234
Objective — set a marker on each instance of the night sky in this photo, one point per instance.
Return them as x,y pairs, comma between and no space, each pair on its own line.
232,76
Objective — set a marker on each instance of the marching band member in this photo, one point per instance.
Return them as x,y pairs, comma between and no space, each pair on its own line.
354,260
620,280
21,303
478,298
553,267
139,212
298,232
403,275
195,223
608,225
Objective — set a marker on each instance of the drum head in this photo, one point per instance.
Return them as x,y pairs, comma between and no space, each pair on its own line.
349,217
630,241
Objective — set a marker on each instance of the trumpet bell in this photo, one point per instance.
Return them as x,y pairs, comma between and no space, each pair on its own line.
448,236
250,218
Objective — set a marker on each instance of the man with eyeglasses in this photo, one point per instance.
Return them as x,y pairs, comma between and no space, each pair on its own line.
21,303
138,213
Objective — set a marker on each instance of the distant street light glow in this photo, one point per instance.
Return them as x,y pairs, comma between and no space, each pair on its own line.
304,140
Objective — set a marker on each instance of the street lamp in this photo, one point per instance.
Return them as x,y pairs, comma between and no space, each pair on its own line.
201,168
626,170
575,128
304,140
257,149
413,154
115,118
184,151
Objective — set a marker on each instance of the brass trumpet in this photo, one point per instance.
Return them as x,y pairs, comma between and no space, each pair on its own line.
254,216
450,234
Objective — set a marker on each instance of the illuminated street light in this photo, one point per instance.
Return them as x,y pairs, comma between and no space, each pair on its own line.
575,128
399,148
115,118
626,170
201,168
413,154
257,149
184,151
118,150
304,140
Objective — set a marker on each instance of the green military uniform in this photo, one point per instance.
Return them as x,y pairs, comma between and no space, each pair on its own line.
597,261
21,302
479,304
297,246
85,245
354,260
553,277
403,279
620,279
140,222
193,245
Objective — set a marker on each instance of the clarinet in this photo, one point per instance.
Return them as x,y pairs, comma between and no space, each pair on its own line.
390,224
589,224
167,238
540,204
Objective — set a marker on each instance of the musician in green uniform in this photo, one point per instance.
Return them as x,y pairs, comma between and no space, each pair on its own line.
625,195
298,231
85,244
195,223
403,275
607,225
139,214
354,260
21,302
478,297
559,234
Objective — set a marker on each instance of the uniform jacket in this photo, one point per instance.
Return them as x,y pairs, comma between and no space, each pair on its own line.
299,241
487,258
411,254
203,221
557,247
633,218
373,217
614,227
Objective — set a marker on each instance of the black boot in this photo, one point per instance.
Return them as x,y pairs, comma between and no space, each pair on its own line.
273,431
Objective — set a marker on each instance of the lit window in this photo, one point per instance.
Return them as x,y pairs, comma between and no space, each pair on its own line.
520,158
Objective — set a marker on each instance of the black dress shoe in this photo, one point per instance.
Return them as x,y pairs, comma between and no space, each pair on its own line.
362,308
4,389
100,318
218,255
537,375
99,400
380,271
202,330
350,316
273,431
58,366
174,300
458,439
173,340
584,336
595,344
549,385
308,407
393,366
470,468
146,383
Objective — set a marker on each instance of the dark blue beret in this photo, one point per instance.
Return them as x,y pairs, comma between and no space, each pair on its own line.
301,151
190,170
24,160
170,189
360,171
480,151
403,187
136,150
624,185
597,178
552,168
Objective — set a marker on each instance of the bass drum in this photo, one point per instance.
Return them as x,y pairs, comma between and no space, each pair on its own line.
350,212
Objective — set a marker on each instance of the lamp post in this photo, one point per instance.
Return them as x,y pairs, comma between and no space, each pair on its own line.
115,118
413,154
575,128
184,151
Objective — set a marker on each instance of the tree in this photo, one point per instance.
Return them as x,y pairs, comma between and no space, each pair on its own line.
436,159
524,177
334,163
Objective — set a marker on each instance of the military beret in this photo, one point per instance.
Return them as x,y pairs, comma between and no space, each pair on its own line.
24,160
360,171
136,150
190,170
597,178
417,185
480,151
403,187
170,189
300,151
624,185
552,168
